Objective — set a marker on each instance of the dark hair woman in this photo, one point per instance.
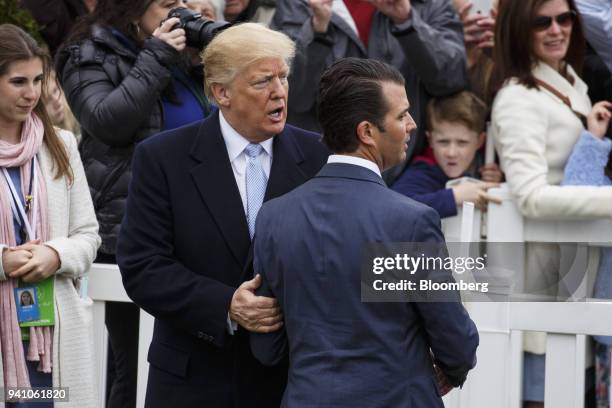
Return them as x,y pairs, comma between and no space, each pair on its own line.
123,75
539,112
48,231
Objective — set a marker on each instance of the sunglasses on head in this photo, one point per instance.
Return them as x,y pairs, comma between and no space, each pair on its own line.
566,19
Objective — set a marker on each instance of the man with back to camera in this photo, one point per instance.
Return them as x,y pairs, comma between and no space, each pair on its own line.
344,352
185,245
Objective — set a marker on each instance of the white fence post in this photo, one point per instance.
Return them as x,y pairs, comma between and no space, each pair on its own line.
100,349
105,285
144,340
564,385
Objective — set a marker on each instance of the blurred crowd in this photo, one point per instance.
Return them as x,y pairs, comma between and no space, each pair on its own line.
532,77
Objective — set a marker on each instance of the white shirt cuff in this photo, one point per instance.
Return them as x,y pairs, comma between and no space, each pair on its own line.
232,326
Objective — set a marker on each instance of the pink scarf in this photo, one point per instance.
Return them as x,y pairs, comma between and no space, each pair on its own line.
13,361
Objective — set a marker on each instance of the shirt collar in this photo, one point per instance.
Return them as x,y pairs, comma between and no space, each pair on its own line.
235,142
357,161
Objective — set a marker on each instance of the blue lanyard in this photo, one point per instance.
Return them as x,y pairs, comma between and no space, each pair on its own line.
19,212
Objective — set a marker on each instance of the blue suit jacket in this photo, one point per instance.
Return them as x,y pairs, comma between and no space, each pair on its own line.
183,249
344,352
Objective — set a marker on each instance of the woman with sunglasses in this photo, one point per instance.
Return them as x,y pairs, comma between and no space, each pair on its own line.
539,112
48,230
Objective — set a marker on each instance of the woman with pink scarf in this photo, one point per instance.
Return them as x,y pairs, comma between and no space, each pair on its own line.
48,231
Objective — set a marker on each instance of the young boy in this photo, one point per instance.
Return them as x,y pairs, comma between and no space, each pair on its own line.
455,134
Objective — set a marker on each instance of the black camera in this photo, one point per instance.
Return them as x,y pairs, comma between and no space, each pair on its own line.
199,31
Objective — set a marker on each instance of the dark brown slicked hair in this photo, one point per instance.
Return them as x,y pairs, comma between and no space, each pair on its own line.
16,46
513,53
350,92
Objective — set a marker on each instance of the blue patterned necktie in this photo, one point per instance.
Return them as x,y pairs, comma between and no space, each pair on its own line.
256,182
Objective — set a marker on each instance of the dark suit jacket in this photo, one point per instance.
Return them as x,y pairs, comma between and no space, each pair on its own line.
344,352
183,249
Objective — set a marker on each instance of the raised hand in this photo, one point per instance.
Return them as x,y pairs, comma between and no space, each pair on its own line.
599,118
478,29
397,10
321,14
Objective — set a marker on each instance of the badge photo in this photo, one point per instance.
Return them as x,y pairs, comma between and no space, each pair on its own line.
27,304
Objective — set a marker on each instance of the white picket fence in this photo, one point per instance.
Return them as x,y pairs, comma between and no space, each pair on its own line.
496,380
105,285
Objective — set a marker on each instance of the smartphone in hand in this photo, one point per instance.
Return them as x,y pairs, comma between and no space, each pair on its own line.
482,7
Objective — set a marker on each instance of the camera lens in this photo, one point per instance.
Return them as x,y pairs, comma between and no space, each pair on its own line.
199,31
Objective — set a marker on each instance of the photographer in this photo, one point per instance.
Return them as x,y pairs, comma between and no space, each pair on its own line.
121,73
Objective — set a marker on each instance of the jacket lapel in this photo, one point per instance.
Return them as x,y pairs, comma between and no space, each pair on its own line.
285,173
214,179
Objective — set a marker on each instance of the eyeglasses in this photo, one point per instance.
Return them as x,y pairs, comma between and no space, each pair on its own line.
566,19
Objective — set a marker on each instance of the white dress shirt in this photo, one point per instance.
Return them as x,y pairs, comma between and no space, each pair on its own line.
235,144
357,161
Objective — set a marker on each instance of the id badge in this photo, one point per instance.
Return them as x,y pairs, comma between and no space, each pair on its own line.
26,300
44,299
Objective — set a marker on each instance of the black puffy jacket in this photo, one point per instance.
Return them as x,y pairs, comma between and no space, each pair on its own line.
115,95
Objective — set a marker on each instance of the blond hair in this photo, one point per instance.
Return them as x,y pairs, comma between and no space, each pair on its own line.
240,46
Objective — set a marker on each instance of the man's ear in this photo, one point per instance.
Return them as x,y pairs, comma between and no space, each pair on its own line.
366,132
221,94
482,137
